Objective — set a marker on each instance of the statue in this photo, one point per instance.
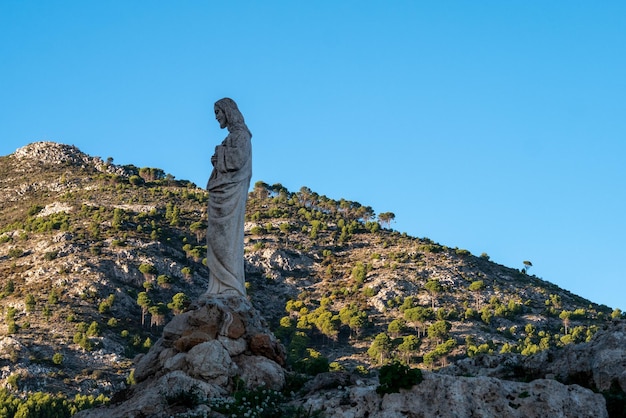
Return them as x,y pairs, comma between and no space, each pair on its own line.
228,191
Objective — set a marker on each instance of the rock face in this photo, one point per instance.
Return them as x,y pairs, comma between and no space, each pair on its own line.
599,364
452,396
201,352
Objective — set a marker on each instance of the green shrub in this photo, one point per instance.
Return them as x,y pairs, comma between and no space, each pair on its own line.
50,255
135,180
93,330
14,380
34,210
395,376
312,363
15,252
57,359
257,230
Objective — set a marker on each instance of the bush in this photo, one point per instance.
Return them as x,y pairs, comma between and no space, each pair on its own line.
257,230
135,180
15,252
312,364
93,330
148,269
50,255
396,376
57,359
186,271
34,210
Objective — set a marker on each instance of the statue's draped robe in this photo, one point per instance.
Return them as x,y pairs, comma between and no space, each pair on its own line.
228,190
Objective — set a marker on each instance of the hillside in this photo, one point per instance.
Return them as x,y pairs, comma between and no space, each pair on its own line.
95,258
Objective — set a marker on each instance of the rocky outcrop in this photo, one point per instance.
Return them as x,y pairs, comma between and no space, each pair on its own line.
599,364
202,353
53,153
453,396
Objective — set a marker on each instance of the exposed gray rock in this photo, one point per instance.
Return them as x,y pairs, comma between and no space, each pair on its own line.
211,362
328,380
54,153
452,396
258,371
156,398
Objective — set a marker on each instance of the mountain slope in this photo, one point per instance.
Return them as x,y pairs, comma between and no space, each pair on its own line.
92,254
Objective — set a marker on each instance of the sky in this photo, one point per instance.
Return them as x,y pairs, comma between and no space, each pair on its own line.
494,126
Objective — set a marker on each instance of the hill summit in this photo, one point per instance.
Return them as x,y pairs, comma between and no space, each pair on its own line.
95,259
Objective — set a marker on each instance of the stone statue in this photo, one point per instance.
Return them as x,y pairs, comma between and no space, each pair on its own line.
228,190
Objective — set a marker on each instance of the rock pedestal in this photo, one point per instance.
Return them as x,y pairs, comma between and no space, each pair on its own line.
204,350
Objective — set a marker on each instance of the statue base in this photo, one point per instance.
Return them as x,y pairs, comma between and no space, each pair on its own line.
219,340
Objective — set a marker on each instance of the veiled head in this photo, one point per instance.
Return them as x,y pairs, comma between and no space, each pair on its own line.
231,112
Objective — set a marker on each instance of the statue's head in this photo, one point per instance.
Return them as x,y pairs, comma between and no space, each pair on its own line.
227,113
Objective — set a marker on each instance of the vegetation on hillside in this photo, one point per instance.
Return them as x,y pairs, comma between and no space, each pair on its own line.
95,258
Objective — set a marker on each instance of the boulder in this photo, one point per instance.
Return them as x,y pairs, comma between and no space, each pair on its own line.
258,371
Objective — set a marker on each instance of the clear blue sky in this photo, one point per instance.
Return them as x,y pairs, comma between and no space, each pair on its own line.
494,126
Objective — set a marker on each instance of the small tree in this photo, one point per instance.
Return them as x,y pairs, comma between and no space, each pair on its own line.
57,359
157,314
409,344
395,327
199,229
30,303
144,301
261,190
359,271
433,287
396,376
93,330
566,317
439,330
417,316
186,271
179,302
476,287
385,218
148,270
47,312
380,348
164,281
358,322
527,266
616,314
9,287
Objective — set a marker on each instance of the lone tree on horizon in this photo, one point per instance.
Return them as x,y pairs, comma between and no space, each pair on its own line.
385,218
527,266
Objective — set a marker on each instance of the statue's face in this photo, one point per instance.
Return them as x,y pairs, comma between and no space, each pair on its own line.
220,117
